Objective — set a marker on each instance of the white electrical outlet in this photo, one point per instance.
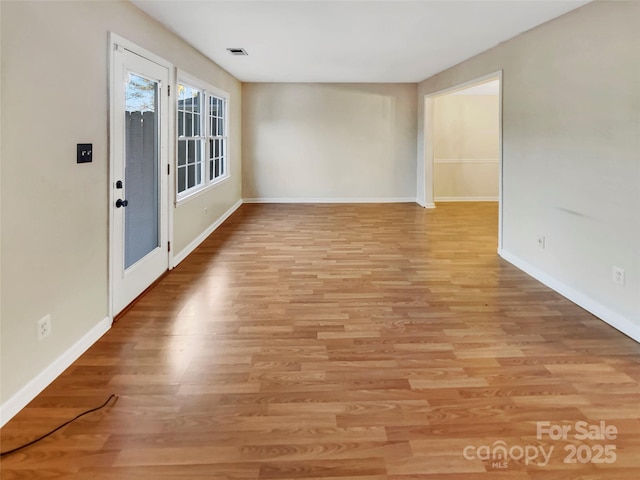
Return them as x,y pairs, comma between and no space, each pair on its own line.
617,275
44,327
541,241
205,211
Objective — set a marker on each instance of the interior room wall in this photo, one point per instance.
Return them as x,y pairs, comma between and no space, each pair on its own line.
466,147
329,142
571,153
54,211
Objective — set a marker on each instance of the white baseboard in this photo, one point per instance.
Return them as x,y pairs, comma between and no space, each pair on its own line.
424,204
31,390
330,200
617,321
180,256
466,199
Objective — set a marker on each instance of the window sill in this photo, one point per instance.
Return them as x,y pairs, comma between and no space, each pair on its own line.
201,191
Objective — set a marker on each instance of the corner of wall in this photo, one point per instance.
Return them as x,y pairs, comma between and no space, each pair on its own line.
27,393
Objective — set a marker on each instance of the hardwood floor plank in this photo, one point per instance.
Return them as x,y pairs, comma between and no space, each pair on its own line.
334,342
323,469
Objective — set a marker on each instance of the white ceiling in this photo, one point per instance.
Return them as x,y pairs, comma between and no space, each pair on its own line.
348,41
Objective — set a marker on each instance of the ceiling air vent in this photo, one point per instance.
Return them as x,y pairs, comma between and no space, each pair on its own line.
237,51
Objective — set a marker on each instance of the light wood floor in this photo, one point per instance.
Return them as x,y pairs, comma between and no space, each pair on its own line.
340,341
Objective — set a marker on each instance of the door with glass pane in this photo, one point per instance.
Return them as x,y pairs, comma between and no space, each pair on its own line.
139,183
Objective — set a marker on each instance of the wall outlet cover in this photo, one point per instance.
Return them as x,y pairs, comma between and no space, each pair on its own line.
617,275
44,327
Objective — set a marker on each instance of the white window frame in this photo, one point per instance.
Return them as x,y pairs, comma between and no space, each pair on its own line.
183,78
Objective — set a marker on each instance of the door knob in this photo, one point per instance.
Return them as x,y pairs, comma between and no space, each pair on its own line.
121,203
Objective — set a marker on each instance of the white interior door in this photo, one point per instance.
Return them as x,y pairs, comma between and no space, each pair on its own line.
139,177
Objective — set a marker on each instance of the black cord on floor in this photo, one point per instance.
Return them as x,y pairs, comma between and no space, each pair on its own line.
113,395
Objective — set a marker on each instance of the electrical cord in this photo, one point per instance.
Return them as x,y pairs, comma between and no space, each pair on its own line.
8,452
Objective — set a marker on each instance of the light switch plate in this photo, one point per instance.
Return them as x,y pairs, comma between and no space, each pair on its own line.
85,153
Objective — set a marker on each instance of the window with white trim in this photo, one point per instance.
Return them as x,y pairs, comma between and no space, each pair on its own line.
202,137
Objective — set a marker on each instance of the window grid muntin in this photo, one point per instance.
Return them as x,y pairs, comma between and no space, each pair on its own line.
191,144
213,141
217,138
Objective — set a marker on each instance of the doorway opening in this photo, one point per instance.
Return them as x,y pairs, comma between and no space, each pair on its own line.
463,144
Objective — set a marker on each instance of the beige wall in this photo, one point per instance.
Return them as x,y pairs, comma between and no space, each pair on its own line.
571,152
466,147
465,180
54,211
466,127
329,141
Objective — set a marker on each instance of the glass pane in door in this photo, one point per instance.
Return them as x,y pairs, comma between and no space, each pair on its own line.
141,216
